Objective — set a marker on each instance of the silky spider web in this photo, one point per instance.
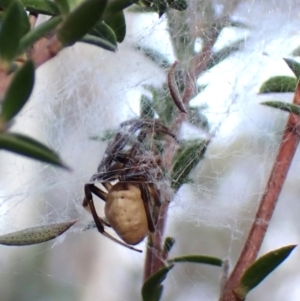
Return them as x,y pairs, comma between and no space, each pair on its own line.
85,92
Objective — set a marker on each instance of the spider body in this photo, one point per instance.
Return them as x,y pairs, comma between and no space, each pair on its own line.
125,212
133,201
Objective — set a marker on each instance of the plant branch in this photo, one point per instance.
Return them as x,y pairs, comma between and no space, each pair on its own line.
286,152
155,257
48,49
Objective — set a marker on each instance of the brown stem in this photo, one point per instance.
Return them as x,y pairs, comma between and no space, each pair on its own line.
43,50
155,256
4,82
48,49
286,152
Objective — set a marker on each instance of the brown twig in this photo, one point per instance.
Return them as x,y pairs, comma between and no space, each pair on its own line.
49,49
155,257
42,51
286,152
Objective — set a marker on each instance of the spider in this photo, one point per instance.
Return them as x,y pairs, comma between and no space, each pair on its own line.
132,202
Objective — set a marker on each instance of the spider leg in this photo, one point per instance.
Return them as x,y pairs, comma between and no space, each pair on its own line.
88,203
120,141
132,176
146,197
113,151
155,194
149,124
114,148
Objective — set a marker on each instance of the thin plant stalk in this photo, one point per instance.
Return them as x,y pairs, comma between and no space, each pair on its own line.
285,155
155,257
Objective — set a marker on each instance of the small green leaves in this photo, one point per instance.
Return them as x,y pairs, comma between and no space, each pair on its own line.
80,21
186,158
198,259
35,235
63,6
156,57
288,107
103,31
180,5
296,51
12,29
168,245
260,269
102,36
118,24
29,147
152,288
294,66
45,7
92,40
146,107
282,83
161,6
279,84
198,119
37,33
106,136
4,4
162,103
18,92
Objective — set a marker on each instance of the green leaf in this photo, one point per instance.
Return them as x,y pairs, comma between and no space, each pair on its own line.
146,109
45,7
37,33
152,288
24,20
116,6
29,147
260,269
238,24
106,136
144,3
18,91
198,119
168,245
4,4
296,51
63,6
186,158
92,40
294,66
103,31
288,107
11,32
180,5
161,7
118,24
35,235
280,84
198,259
162,104
140,8
80,21
156,57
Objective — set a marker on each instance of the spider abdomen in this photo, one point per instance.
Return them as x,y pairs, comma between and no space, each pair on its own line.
125,212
